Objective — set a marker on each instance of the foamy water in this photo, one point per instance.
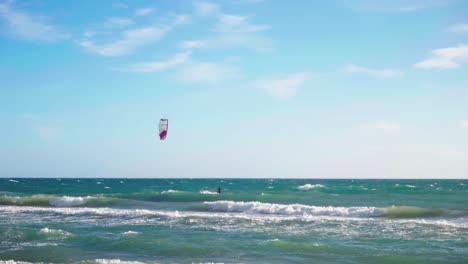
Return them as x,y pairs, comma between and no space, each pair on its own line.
251,221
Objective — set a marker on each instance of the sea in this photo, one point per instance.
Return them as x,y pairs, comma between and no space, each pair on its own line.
251,221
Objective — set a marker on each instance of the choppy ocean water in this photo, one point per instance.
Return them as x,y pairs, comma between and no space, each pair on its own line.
251,221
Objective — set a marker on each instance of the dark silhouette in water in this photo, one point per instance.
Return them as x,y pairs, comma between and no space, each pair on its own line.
219,189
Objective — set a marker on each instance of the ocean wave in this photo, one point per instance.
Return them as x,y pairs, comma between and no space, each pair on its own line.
413,212
169,191
112,261
208,192
130,233
54,232
16,262
292,209
53,200
309,186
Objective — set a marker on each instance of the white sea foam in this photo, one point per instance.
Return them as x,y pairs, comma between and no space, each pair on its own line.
66,201
16,262
53,232
169,191
208,192
410,186
11,180
130,233
292,209
116,261
309,186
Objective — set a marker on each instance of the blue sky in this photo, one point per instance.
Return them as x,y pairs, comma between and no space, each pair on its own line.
251,88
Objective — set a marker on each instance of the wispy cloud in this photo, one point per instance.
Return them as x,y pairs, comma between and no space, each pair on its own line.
193,44
385,126
129,41
119,5
157,66
29,27
233,31
117,22
284,87
399,5
464,123
205,8
207,72
114,37
49,133
459,28
143,11
380,73
26,116
446,58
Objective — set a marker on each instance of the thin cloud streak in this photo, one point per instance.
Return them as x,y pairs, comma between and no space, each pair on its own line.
445,58
29,27
233,31
283,88
157,66
207,72
379,73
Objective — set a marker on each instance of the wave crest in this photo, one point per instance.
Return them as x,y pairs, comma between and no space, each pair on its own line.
309,186
292,209
50,200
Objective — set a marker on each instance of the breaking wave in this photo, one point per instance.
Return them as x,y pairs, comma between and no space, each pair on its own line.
292,209
309,186
307,210
53,200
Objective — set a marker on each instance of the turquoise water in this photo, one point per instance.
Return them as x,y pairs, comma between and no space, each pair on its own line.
251,221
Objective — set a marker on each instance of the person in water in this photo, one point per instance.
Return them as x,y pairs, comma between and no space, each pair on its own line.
219,190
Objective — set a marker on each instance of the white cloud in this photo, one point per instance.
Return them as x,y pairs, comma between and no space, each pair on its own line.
181,19
380,73
49,133
284,87
205,8
120,5
446,58
464,123
399,5
178,59
234,32
26,116
385,126
191,44
89,33
106,44
30,27
207,72
143,11
459,28
116,22
130,40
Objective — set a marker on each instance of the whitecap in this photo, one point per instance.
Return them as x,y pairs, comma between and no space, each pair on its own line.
208,192
309,186
130,233
116,261
53,232
169,191
66,201
292,209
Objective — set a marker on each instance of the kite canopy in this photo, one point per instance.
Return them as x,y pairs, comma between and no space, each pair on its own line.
163,125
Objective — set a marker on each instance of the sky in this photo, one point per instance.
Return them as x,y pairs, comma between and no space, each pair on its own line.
251,88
